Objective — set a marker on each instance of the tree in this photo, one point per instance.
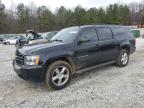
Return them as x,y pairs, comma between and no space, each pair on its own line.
33,16
118,14
11,22
80,17
124,14
3,21
102,16
93,17
23,17
61,17
43,19
46,20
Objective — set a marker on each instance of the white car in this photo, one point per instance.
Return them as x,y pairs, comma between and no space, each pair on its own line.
12,40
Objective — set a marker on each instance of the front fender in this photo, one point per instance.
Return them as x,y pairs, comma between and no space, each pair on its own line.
67,58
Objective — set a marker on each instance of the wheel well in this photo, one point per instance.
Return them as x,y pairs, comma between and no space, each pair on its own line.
126,47
63,59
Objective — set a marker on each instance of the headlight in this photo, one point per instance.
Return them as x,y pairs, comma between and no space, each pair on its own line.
31,60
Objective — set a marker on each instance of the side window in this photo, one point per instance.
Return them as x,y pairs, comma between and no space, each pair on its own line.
89,33
121,32
104,33
38,37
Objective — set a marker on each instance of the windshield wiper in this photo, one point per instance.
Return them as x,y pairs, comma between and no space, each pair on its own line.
57,40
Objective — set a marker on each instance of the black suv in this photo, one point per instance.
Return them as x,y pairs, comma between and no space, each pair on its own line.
73,49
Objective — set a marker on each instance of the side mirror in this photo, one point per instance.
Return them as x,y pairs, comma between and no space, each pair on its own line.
83,40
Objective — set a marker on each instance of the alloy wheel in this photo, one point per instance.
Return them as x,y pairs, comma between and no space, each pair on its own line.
124,58
60,75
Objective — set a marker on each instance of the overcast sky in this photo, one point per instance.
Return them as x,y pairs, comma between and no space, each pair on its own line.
52,4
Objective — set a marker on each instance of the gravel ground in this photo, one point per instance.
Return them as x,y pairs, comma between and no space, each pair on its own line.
107,86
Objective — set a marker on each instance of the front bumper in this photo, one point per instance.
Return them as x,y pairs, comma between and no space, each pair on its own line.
30,73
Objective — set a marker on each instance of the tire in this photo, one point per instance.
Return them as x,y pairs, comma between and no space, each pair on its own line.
7,43
17,45
56,78
123,58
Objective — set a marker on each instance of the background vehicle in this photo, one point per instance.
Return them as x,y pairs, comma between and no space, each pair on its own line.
4,37
73,49
1,39
49,35
13,39
31,38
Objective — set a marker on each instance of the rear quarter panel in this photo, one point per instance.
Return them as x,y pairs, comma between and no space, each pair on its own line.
124,37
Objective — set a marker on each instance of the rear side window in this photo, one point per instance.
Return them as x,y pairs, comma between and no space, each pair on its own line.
122,32
90,33
119,30
104,33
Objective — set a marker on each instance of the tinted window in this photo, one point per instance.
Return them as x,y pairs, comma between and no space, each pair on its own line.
104,33
122,32
119,30
90,33
39,37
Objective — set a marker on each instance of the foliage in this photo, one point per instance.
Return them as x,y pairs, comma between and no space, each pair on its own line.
45,20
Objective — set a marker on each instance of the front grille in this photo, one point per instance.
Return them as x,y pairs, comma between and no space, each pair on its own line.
19,58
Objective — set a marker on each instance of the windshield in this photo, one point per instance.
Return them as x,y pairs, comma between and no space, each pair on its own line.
66,35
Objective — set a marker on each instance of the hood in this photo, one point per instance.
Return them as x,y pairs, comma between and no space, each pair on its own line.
30,49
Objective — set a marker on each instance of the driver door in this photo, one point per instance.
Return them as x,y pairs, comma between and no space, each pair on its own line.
87,51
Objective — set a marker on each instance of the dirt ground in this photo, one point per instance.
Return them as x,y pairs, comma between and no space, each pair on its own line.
107,86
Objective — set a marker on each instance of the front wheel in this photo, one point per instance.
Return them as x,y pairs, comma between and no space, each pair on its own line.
123,58
58,75
7,43
16,45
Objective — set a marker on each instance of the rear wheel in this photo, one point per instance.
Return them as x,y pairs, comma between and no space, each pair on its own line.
58,74
123,58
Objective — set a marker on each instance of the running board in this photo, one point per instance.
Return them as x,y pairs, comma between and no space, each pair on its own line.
94,67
